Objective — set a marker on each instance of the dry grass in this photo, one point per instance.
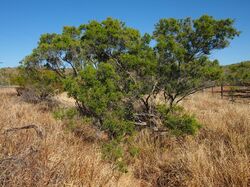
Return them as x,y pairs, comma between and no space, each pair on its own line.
217,156
60,159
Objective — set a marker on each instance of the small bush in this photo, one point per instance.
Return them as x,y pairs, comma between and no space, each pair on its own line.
120,152
178,121
114,152
182,124
28,95
38,84
63,113
70,116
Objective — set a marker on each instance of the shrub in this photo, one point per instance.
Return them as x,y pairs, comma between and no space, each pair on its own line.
120,152
178,121
70,117
113,151
38,84
62,113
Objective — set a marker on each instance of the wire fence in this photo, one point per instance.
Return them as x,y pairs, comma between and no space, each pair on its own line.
232,92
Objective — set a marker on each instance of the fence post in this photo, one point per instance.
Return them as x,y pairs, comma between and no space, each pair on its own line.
221,90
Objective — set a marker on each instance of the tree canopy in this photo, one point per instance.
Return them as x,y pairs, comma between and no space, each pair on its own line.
183,48
108,68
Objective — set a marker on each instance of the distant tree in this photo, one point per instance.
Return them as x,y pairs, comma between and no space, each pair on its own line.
38,83
2,77
6,75
238,74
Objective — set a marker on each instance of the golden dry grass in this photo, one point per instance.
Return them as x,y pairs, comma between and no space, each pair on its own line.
60,159
217,156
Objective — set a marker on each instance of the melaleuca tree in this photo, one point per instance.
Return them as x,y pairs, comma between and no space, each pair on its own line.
108,68
183,47
105,67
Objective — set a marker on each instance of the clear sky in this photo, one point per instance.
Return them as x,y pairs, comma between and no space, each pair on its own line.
23,21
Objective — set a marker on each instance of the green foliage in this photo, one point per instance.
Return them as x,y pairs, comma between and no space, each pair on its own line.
183,47
178,121
96,89
113,151
238,74
62,113
100,97
120,152
42,82
117,127
134,151
71,118
182,124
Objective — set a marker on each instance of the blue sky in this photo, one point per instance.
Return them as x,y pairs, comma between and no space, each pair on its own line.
23,21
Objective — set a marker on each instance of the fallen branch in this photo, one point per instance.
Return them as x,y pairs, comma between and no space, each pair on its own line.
36,128
21,156
161,131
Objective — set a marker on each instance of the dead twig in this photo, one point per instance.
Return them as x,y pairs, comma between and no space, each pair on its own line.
141,123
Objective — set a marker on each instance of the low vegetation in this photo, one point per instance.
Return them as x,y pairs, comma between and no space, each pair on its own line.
238,74
217,156
6,75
